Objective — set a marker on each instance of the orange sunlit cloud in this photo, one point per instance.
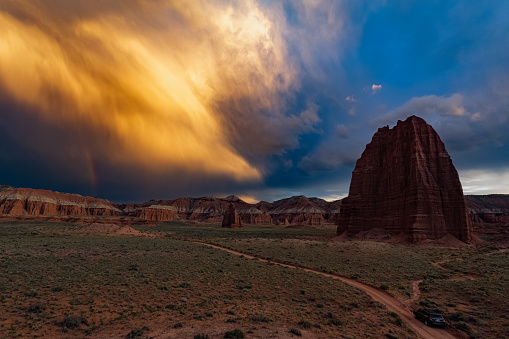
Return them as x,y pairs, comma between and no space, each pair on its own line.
152,84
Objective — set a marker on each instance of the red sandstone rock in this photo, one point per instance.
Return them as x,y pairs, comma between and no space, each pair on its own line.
405,182
27,201
231,218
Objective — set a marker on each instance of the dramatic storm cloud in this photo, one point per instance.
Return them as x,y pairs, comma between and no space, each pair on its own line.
135,99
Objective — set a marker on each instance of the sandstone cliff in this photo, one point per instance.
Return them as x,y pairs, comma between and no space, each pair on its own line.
405,182
34,202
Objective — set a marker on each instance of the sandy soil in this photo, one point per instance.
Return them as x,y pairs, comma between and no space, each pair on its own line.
383,297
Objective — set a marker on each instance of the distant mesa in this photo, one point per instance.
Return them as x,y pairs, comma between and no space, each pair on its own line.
405,183
231,218
34,202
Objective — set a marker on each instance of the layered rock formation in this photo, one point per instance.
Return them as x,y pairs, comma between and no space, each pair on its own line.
231,219
297,210
197,209
405,182
488,209
33,202
16,203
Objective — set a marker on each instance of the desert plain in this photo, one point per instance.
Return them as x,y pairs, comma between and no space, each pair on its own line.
71,280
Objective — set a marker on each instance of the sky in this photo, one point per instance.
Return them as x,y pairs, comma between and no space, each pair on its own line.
132,100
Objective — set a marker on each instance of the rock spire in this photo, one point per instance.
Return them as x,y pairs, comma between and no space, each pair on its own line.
405,183
231,218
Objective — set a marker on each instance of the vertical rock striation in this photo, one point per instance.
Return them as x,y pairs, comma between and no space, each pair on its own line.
405,182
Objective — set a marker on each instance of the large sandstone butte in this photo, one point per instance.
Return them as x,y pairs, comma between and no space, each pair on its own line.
405,183
231,218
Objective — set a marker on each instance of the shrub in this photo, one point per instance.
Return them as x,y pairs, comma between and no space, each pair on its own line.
137,333
201,336
260,318
458,316
297,332
336,322
177,325
384,287
31,293
72,322
36,308
397,320
305,324
463,326
234,334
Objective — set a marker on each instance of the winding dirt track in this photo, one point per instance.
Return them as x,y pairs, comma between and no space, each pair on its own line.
391,303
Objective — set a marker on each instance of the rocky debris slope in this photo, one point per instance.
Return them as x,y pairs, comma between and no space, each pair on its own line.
405,183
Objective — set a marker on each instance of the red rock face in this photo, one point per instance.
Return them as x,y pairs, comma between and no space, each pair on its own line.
41,203
32,202
405,182
231,219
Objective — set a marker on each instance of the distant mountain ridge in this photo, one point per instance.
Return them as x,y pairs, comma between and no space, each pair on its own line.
297,210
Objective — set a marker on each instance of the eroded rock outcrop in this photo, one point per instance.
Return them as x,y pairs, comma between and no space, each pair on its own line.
488,209
35,202
297,210
231,219
405,183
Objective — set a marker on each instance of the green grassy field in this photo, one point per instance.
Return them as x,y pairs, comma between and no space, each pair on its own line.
56,283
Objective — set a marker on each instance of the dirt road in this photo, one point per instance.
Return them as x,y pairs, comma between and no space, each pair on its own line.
391,303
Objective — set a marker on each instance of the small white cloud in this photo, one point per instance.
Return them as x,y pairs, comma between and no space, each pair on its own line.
350,98
352,111
376,88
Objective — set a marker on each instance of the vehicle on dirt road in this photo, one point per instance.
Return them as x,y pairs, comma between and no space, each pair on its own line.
430,318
